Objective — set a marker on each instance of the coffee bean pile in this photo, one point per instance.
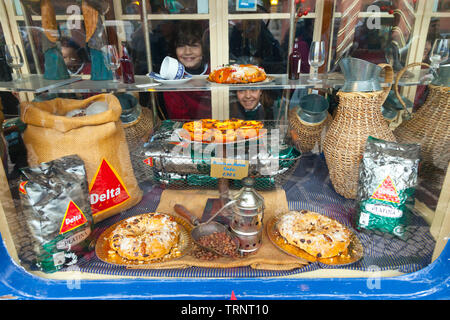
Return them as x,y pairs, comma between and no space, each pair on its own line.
221,242
203,254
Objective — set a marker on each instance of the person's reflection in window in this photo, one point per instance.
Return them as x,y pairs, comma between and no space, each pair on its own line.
75,57
251,42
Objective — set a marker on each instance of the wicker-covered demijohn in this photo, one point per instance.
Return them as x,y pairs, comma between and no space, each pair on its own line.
358,116
306,135
429,127
138,131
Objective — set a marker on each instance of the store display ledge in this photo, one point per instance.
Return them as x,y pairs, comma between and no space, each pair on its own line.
76,84
309,188
35,83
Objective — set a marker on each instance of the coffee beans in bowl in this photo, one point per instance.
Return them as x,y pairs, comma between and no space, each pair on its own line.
220,242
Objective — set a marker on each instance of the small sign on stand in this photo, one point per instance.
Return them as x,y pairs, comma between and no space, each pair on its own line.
229,168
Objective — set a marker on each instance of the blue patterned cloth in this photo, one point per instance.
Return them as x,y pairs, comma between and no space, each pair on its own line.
308,188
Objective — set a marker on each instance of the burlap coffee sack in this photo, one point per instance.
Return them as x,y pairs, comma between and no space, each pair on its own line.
99,140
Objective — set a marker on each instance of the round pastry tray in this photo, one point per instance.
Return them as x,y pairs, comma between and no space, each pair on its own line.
355,248
268,79
106,254
261,134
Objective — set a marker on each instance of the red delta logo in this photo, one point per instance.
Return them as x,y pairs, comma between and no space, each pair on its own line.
148,161
22,187
73,218
386,191
107,189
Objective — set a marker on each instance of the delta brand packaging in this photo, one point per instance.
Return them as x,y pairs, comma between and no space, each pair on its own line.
387,181
84,128
57,211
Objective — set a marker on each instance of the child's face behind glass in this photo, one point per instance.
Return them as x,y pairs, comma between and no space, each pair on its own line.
191,55
248,98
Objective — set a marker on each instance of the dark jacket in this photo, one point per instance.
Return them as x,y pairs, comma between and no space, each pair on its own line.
238,111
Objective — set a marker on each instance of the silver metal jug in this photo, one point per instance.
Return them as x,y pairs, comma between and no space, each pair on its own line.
313,108
247,219
443,76
360,75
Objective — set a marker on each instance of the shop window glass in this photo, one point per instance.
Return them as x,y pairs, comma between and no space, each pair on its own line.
167,6
372,41
254,42
270,51
368,5
72,45
266,6
180,39
439,28
255,104
441,6
62,7
304,34
162,35
25,32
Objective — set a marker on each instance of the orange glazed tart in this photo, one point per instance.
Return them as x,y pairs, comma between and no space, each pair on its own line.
210,130
237,73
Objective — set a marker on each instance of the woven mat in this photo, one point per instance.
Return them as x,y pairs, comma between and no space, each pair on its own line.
308,188
268,257
268,261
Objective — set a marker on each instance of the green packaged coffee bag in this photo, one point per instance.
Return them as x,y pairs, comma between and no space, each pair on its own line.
387,181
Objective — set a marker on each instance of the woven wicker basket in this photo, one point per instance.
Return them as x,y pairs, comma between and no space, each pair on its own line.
306,135
358,116
429,127
139,131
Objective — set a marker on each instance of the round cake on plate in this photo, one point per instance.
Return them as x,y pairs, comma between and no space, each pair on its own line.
237,73
145,237
314,233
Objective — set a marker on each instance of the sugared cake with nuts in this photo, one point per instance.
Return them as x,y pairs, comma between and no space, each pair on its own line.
314,233
145,237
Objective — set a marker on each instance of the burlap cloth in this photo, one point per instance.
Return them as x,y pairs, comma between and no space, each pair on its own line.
268,257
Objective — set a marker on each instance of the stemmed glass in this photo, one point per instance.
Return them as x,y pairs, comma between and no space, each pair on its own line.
439,52
14,58
112,59
316,59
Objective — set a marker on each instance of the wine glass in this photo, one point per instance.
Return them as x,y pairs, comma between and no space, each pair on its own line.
14,58
316,59
112,59
439,52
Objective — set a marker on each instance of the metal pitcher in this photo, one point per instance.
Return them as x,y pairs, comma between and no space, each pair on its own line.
392,106
443,76
313,108
137,122
360,75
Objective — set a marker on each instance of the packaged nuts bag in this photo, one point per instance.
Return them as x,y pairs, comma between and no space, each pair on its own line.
57,212
387,182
